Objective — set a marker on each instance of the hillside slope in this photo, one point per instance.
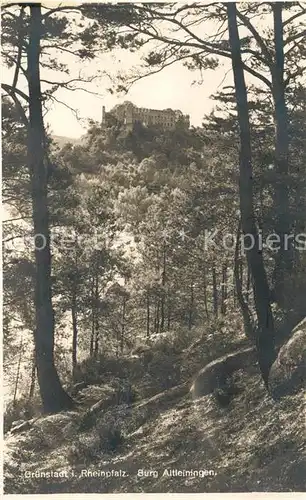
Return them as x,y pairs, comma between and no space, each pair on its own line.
254,444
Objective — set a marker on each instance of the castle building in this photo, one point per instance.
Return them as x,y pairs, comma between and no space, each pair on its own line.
128,114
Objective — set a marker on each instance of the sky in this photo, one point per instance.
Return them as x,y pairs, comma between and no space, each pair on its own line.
171,88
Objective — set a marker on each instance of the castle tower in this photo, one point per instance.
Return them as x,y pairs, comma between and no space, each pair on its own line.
129,118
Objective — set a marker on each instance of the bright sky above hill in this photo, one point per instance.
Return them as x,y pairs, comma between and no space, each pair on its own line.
172,88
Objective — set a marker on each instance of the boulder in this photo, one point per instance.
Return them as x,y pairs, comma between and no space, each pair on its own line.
288,372
215,374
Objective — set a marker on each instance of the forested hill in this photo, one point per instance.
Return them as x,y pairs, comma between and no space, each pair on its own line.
141,305
61,140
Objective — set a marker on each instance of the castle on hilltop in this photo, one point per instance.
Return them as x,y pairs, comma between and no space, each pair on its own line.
129,114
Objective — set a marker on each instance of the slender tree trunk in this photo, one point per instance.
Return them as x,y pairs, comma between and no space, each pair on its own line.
215,291
33,376
97,325
123,324
163,297
148,315
224,289
249,279
234,291
162,314
261,204
169,312
97,336
92,336
157,316
53,396
241,272
74,332
18,372
265,336
238,285
93,318
205,293
284,258
191,306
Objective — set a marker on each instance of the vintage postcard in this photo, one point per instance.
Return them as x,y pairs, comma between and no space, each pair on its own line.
154,247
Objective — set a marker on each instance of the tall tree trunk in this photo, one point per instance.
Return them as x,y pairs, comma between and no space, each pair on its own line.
215,291
205,293
18,372
157,315
169,312
248,328
53,396
97,325
224,289
97,337
241,272
265,340
163,297
33,376
249,279
148,314
74,332
93,318
191,306
284,257
123,323
234,291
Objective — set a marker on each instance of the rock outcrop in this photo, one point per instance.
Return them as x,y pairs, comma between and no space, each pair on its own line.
215,374
288,372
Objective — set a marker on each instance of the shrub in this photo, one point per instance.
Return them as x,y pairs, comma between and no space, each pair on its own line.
126,393
83,452
21,409
110,438
106,437
99,369
164,369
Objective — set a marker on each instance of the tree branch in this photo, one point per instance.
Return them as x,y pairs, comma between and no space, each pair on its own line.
16,218
12,93
9,89
74,111
294,37
257,75
19,53
154,72
8,5
298,72
295,16
209,47
13,60
66,8
247,23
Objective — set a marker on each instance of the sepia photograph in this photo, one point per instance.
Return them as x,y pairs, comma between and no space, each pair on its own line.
153,247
